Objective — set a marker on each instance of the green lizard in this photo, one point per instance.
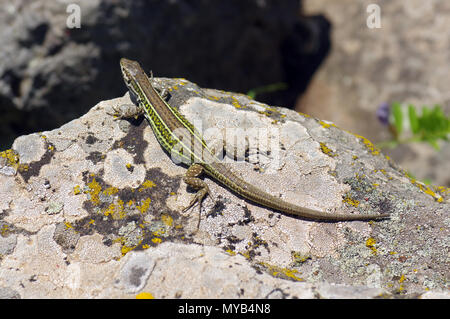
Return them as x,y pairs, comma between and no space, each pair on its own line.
179,137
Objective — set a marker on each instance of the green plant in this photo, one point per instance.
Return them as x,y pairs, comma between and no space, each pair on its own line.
279,86
429,125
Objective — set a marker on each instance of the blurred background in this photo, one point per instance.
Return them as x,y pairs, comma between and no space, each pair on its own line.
319,57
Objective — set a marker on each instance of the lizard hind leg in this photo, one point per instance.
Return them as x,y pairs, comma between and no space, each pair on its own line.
191,178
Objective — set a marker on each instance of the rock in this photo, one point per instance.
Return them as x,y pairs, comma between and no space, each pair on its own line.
119,231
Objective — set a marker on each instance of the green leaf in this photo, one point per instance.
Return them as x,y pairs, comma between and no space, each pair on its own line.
413,120
251,94
433,143
398,117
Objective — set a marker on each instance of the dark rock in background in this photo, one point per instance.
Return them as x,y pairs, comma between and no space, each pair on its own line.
50,74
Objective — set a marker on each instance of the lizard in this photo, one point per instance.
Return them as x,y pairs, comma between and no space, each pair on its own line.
179,137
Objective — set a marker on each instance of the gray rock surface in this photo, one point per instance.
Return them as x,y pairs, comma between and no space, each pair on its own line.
92,209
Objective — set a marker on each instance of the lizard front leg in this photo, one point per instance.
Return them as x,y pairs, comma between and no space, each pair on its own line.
191,178
125,111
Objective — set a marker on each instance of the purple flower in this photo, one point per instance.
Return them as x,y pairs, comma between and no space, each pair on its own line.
383,113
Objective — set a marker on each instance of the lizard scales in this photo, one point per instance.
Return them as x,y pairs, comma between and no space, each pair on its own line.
173,130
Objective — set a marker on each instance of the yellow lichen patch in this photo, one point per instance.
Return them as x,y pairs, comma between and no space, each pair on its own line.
144,295
145,246
167,220
145,205
299,257
146,184
68,225
370,243
213,98
12,158
443,190
304,114
115,210
372,148
230,252
383,171
327,150
159,232
125,249
236,103
4,230
94,191
157,240
354,202
110,191
290,273
77,190
326,125
282,272
109,210
245,254
427,190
